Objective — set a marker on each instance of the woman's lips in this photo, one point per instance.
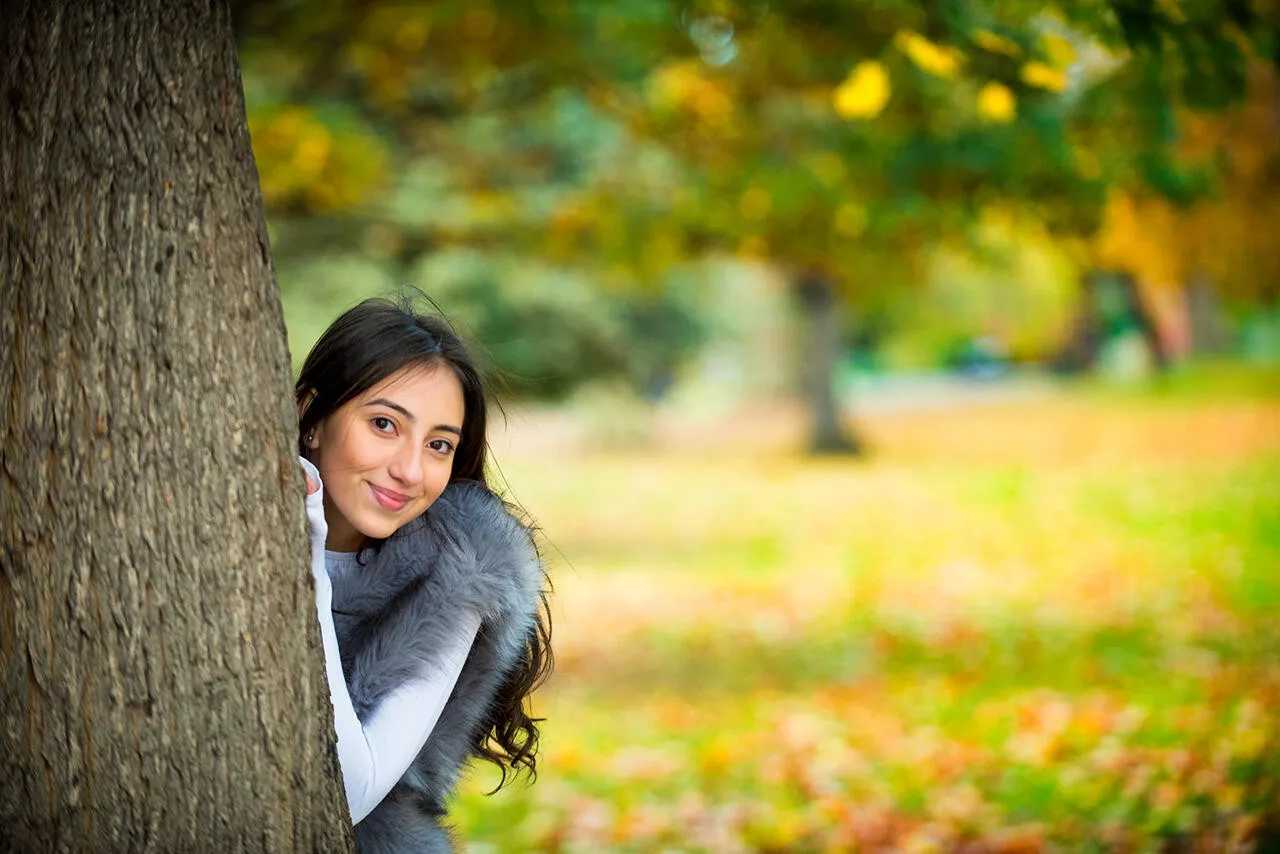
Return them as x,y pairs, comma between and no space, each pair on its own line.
389,499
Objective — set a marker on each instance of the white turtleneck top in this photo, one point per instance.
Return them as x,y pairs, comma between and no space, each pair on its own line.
375,753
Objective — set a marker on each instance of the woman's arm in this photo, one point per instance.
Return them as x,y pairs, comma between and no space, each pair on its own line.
375,755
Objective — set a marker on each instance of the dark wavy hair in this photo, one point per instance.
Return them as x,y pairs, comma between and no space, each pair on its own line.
364,346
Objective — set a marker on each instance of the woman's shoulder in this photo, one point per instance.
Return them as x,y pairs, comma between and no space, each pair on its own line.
473,511
470,535
473,502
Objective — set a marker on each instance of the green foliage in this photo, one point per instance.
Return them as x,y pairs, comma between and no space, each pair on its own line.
615,142
316,290
738,90
1013,285
546,330
542,329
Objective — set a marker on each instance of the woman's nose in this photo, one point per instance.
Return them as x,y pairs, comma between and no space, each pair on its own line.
406,465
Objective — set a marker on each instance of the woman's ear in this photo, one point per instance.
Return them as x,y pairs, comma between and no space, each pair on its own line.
304,404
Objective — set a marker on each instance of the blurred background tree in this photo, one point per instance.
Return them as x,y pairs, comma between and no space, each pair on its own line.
920,175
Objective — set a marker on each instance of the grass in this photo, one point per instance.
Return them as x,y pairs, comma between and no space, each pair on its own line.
1040,626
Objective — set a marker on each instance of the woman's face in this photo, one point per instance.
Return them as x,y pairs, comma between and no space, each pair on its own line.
387,454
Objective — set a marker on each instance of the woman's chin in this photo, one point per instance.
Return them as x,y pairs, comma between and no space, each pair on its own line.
379,530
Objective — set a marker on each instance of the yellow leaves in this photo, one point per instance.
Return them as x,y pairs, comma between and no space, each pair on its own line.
774,829
567,757
670,85
718,757
754,247
312,151
488,207
1252,731
301,160
755,204
571,215
994,43
864,92
1043,76
665,249
1060,52
1052,75
411,34
850,219
681,87
939,61
829,168
1042,723
1137,236
997,103
1087,163
572,218
385,49
1229,238
1230,797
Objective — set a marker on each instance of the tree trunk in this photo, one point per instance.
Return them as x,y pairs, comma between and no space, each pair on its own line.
1079,353
1208,332
163,679
828,435
1142,317
1108,297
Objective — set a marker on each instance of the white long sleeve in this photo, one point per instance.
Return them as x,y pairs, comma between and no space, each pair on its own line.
375,755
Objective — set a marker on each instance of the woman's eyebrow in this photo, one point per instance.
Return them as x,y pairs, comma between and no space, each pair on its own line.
382,401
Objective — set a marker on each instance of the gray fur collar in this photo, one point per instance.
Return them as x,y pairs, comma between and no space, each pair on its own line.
393,613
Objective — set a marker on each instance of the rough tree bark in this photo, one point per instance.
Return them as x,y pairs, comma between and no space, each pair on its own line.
827,434
163,679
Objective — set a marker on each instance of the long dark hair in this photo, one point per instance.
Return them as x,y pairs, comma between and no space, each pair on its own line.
364,346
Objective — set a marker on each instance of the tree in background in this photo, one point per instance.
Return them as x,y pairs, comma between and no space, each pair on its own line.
459,186
163,677
836,141
947,113
1176,251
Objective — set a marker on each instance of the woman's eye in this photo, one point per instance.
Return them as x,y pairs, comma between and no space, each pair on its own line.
382,424
443,446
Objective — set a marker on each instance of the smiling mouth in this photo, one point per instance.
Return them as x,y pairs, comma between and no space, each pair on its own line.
389,499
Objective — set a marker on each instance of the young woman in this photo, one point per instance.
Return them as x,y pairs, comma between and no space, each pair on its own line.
429,592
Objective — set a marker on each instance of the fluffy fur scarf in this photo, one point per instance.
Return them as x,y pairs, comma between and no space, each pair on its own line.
397,610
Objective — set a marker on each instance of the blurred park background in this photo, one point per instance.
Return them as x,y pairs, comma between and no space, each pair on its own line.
897,385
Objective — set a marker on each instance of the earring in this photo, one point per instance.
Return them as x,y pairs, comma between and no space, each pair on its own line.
311,437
